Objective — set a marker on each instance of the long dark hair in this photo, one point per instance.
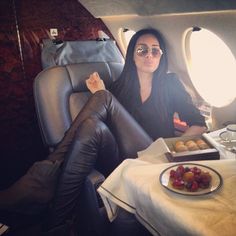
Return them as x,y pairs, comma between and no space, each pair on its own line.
126,88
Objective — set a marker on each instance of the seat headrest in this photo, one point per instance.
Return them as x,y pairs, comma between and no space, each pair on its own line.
69,52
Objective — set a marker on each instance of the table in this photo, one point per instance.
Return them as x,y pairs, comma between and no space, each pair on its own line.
134,185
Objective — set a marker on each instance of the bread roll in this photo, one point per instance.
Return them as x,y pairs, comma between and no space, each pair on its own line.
202,144
181,148
179,143
190,142
191,145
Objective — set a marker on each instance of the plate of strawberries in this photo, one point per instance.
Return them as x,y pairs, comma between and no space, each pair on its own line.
191,179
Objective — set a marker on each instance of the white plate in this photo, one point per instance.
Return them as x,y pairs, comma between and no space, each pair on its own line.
216,181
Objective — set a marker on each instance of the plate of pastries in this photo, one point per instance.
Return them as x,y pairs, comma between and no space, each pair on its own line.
190,145
190,148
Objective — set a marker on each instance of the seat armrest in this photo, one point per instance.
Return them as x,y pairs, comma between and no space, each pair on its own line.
92,183
95,178
95,212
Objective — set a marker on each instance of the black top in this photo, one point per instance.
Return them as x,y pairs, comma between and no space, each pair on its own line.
176,100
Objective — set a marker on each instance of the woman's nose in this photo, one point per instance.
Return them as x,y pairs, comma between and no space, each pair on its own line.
149,53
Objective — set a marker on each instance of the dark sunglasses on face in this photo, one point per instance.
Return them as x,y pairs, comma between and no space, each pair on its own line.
143,51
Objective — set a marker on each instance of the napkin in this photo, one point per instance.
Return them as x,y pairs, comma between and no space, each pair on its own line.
155,153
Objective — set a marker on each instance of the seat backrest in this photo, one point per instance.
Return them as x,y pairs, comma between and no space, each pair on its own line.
60,92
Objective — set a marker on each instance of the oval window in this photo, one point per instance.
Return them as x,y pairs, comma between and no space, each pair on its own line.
211,66
126,35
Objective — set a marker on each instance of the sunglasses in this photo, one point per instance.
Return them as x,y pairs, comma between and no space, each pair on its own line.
143,51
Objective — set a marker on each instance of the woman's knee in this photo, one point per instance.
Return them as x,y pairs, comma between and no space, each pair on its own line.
94,138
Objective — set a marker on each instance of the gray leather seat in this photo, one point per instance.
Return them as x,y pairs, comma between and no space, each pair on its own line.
60,93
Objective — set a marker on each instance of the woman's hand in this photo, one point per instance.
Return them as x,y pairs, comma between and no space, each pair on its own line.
94,83
195,130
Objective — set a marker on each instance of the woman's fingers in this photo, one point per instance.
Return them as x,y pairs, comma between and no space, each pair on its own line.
94,76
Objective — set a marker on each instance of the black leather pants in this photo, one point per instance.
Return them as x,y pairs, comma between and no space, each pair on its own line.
103,134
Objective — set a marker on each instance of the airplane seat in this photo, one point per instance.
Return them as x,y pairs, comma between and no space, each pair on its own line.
60,93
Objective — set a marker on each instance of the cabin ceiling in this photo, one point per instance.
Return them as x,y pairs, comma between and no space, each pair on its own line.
103,8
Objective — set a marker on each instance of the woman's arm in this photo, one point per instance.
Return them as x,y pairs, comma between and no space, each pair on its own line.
194,130
187,111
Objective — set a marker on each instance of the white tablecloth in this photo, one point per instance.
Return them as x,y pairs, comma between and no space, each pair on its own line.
134,185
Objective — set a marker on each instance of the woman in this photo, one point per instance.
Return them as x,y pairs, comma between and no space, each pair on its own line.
148,92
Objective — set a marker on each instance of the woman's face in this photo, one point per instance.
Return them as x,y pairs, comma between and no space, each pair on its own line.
147,54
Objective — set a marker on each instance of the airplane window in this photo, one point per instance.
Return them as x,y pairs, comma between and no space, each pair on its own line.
126,35
212,66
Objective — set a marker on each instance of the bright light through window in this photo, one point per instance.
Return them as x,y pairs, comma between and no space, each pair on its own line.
212,68
128,35
125,36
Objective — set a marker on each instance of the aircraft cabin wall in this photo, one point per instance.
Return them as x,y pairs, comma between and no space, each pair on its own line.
23,26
